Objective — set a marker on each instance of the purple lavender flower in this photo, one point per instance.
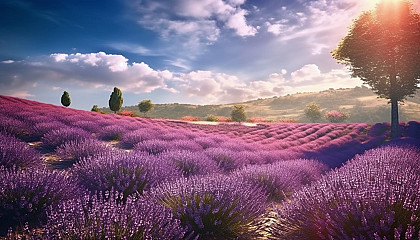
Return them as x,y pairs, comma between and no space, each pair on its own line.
153,146
13,126
206,142
190,163
90,126
112,132
57,137
15,153
213,206
373,196
77,150
188,145
227,160
281,179
126,173
91,218
130,139
25,196
41,128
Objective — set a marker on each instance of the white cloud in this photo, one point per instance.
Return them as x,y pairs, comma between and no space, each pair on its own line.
306,73
8,61
59,57
237,22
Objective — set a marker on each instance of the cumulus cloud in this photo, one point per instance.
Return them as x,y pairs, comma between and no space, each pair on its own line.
306,73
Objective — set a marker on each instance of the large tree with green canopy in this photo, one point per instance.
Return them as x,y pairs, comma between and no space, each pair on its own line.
116,100
382,48
145,106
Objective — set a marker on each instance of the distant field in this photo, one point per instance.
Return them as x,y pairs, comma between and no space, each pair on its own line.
361,103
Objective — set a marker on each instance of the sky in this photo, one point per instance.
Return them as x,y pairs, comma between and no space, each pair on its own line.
172,51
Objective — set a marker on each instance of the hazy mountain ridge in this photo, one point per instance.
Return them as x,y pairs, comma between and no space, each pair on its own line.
361,103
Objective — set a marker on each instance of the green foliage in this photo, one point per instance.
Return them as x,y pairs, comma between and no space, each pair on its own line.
383,50
238,113
65,99
95,108
116,100
211,118
313,112
145,106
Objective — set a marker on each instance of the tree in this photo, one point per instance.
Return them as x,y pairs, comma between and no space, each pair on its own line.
95,108
145,106
238,113
65,99
313,112
116,100
382,48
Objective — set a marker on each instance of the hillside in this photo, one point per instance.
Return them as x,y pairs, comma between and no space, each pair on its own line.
360,102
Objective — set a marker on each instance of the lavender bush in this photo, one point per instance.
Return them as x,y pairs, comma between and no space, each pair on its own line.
15,153
77,150
12,126
130,139
281,179
374,196
153,146
125,173
190,163
40,128
212,207
112,132
90,126
91,218
224,158
55,138
189,145
25,196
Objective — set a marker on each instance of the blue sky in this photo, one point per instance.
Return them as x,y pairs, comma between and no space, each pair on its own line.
185,51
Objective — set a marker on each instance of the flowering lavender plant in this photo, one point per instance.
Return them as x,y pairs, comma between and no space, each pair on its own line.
125,173
281,179
57,137
213,206
224,158
15,153
112,132
90,217
25,196
373,196
77,150
190,163
130,139
153,146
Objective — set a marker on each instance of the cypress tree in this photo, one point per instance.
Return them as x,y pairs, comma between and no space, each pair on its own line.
116,100
65,99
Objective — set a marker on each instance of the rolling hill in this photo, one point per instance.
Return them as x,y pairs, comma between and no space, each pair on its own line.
360,102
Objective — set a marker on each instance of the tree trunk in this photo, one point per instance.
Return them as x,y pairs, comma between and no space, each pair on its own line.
395,128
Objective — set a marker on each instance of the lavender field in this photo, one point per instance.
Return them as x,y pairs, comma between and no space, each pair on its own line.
73,174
